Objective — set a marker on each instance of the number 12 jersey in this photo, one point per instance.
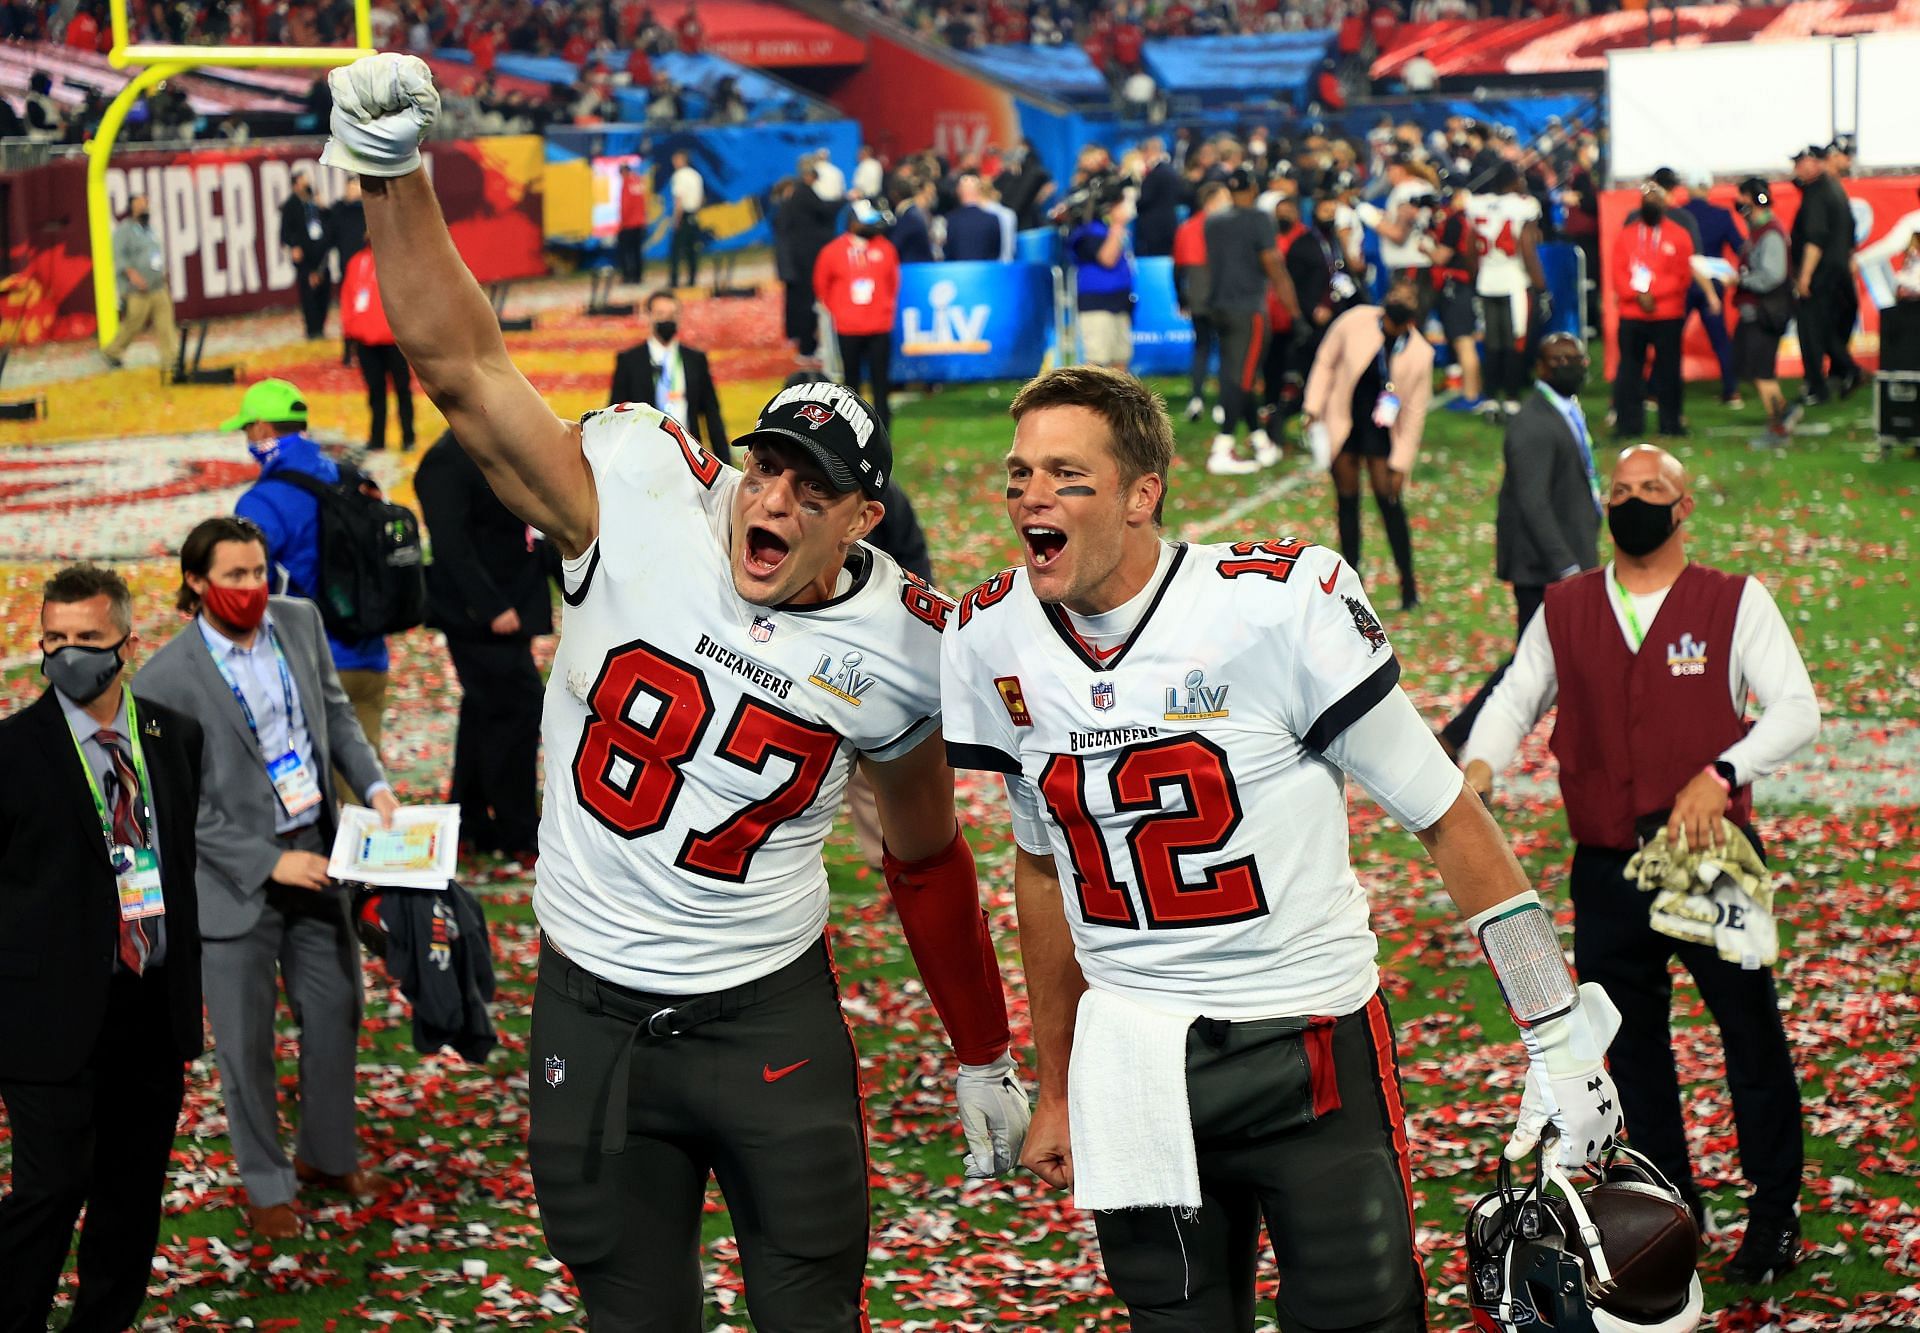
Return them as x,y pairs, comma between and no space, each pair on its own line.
1199,831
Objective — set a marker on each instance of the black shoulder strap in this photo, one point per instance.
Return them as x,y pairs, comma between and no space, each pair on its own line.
312,485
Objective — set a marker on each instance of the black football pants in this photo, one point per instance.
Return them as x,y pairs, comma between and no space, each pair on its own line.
764,1097
100,1139
1614,944
496,750
1332,1184
1243,354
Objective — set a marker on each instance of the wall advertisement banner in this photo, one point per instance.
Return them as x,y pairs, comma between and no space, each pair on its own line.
976,321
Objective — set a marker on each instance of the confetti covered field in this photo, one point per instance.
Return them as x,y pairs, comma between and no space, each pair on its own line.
122,466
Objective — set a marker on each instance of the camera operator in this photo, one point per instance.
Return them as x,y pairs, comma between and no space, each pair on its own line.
1103,270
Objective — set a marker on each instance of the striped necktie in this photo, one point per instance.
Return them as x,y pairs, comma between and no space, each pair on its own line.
123,791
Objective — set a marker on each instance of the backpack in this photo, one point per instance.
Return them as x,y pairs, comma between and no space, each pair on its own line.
371,580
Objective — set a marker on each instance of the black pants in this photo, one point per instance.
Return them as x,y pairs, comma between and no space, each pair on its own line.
1243,354
1507,360
100,1139
868,358
496,751
1716,327
802,322
1280,387
764,1099
314,299
1614,945
1526,601
1637,337
1206,341
381,364
684,248
1332,1185
630,246
1823,350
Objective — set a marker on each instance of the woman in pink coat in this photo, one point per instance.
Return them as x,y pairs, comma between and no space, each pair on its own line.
1367,398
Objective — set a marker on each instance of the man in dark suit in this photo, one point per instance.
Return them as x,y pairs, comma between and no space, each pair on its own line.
673,378
255,672
912,233
1547,525
307,238
487,592
803,224
1162,190
99,961
973,234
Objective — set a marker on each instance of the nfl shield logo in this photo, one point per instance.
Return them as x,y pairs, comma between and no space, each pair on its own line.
761,629
556,1071
1103,695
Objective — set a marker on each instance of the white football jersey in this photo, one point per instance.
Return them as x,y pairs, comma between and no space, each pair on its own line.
1497,221
697,745
1199,832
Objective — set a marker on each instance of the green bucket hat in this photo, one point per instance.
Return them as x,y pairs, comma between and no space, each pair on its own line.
269,400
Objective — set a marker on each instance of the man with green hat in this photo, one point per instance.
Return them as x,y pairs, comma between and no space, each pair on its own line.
273,414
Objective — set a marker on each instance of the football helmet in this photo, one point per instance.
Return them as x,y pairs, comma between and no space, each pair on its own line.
1615,1257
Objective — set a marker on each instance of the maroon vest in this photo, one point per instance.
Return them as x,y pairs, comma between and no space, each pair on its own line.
1634,728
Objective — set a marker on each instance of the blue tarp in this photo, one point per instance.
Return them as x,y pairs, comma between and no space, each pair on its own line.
738,163
1064,72
976,321
766,98
1162,337
1226,70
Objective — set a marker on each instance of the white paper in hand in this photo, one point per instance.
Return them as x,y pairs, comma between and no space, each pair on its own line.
418,852
1320,445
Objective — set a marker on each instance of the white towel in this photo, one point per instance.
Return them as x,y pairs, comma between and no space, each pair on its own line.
1127,1103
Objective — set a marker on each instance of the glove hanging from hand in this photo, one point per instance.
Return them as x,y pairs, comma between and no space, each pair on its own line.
1568,1084
993,1115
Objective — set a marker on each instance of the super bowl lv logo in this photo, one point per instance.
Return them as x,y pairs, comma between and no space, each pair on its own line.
948,328
1688,657
845,681
1197,701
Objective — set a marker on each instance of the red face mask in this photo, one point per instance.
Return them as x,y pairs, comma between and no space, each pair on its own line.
243,608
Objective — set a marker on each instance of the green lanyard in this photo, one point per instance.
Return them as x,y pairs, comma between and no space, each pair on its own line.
139,769
1634,633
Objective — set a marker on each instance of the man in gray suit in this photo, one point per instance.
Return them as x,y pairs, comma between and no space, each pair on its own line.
255,673
1547,526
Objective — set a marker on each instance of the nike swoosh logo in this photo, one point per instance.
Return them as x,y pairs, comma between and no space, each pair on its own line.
772,1075
1326,584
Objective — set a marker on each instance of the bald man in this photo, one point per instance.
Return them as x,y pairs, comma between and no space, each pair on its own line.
1653,658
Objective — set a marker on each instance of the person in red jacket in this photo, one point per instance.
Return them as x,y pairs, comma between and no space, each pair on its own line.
857,278
631,242
1650,271
363,322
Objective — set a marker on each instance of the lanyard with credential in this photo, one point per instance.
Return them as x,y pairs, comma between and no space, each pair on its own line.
1635,635
139,771
1386,375
286,691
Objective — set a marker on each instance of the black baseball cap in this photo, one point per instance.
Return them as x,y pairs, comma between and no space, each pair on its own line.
1757,189
1239,180
1666,178
1842,144
836,428
1813,150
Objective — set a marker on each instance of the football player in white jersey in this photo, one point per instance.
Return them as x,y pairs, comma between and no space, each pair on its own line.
1176,724
731,648
1512,286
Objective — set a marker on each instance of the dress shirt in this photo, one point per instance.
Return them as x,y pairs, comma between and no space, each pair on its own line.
1577,423
669,379
1765,660
105,775
257,672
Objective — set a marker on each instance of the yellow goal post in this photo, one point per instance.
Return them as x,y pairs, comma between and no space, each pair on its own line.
156,63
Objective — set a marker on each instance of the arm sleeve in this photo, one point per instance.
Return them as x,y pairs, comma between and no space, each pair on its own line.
979,731
1339,660
1519,701
1029,824
1392,752
1767,661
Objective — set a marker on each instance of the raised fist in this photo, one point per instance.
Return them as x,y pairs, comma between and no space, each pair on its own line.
382,107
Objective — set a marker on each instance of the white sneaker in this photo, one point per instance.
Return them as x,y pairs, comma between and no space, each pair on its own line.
1194,409
1511,407
1219,415
1265,452
1223,462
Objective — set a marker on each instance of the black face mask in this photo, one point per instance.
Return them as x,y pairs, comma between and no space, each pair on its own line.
1640,527
141,217
1324,224
1285,225
665,329
1399,313
80,672
1566,379
1651,214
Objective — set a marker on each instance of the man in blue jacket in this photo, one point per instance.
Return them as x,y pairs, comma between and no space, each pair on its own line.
273,414
1715,236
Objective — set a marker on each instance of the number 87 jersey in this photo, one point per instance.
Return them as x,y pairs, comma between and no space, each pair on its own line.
1178,780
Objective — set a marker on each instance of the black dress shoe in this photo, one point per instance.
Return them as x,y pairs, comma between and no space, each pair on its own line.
1849,384
1768,1250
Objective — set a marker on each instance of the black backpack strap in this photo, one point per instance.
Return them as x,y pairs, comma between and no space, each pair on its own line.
312,485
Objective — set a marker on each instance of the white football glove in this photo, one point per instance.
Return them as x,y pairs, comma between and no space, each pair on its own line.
993,1115
382,107
1568,1084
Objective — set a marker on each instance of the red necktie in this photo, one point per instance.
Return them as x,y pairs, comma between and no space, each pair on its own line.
123,787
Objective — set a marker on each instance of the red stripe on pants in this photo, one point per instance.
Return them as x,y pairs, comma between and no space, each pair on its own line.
1254,349
1388,1073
